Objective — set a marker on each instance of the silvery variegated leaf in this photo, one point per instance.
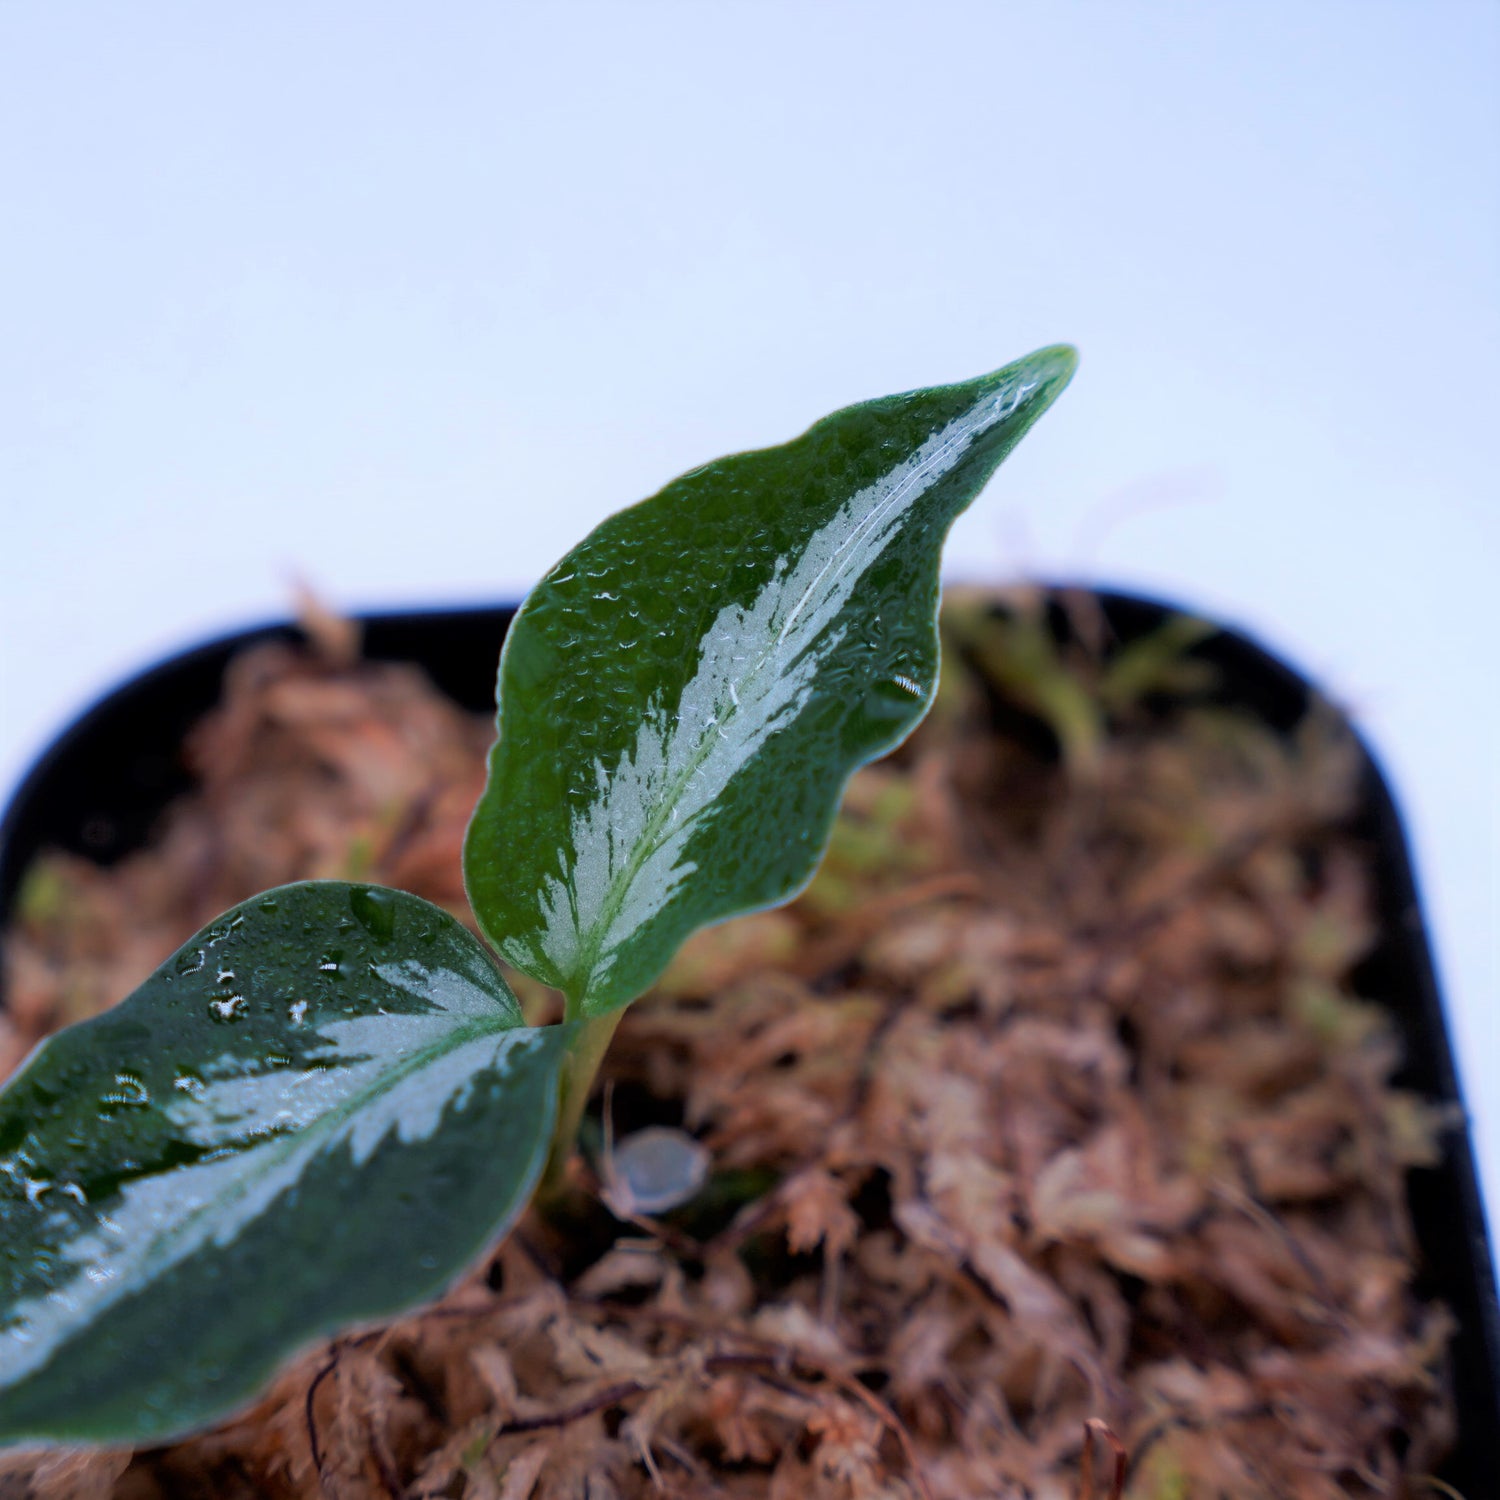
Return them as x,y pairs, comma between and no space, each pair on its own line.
683,697
317,1113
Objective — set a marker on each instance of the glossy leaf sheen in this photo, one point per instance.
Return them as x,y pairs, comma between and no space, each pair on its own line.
683,697
316,1113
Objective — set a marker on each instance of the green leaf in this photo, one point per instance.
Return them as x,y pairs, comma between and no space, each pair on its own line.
683,697
316,1113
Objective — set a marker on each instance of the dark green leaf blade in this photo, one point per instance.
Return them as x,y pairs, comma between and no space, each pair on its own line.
682,698
316,1113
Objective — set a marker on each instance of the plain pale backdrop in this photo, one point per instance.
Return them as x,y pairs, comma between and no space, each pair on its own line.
404,299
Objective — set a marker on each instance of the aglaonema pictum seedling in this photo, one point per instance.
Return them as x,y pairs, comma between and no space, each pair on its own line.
328,1103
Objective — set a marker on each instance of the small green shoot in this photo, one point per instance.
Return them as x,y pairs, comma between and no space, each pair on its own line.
328,1103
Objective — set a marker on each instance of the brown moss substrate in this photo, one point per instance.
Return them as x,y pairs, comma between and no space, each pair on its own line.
1049,1101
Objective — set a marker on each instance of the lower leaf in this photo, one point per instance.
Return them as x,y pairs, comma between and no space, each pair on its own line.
317,1113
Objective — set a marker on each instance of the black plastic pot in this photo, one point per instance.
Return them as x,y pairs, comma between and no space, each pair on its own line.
100,788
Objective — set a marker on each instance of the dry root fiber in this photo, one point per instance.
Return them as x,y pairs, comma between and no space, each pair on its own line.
1047,1104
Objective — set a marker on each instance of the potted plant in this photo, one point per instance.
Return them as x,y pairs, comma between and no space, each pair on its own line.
196,1180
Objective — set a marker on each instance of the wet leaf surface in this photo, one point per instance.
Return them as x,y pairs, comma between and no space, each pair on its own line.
315,1113
684,695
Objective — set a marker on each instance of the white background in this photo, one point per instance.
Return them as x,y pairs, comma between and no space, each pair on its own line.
404,298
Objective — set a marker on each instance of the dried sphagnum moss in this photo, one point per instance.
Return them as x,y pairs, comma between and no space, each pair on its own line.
1047,1101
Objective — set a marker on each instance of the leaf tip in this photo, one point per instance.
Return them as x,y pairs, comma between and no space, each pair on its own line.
1054,365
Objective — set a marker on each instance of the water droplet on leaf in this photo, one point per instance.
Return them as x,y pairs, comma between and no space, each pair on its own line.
376,910
129,1091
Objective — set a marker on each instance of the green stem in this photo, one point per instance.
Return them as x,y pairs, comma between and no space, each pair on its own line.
590,1044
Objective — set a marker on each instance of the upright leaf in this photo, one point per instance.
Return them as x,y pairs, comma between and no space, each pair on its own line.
686,693
316,1113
